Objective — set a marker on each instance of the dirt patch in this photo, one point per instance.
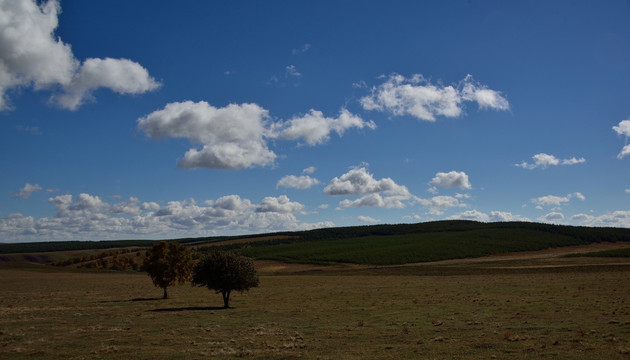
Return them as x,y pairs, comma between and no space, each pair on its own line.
277,267
530,255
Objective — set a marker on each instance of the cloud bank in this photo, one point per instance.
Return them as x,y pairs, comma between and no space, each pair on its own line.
88,216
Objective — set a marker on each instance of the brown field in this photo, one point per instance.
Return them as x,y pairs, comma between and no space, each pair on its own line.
525,307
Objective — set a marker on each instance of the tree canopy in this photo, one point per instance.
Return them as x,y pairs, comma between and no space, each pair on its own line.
224,272
169,263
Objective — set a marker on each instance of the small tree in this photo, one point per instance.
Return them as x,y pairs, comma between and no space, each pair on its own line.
168,263
224,272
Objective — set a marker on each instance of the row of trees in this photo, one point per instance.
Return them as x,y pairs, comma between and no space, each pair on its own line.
171,263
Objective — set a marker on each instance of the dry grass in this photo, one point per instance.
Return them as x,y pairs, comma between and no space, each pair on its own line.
71,315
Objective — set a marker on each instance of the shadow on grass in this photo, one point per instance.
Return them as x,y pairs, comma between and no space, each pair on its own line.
132,300
194,308
147,299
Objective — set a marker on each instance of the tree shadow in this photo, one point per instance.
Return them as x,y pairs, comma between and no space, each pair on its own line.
193,308
147,299
132,300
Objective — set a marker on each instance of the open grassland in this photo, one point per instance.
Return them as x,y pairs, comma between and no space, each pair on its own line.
576,311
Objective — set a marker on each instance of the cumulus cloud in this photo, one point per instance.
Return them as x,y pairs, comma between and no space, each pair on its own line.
624,152
235,136
619,218
452,179
438,204
545,160
383,193
623,128
32,55
87,216
418,97
232,137
314,128
119,75
494,216
553,200
376,200
280,204
367,219
27,191
297,182
358,181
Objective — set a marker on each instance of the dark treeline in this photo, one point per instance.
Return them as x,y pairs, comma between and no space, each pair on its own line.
577,234
50,246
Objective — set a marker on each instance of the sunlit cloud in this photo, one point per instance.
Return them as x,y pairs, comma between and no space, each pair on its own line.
33,56
543,160
418,97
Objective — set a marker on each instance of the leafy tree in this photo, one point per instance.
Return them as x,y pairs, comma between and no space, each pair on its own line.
224,272
168,263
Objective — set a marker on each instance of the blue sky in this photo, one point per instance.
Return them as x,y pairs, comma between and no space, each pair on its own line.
162,119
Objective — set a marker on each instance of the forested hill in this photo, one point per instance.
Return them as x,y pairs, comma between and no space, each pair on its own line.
411,243
376,244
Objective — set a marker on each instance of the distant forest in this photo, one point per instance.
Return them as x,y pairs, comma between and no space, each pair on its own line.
426,241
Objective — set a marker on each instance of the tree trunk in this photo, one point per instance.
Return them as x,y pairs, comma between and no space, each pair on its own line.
165,294
226,299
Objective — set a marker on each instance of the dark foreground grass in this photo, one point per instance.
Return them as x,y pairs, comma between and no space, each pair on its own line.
69,315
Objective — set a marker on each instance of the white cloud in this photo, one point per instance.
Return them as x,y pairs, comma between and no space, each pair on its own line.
27,191
235,136
314,128
553,200
623,128
545,160
384,193
452,179
624,152
88,217
376,200
438,204
358,181
552,217
309,170
484,97
232,136
620,218
32,55
297,182
417,97
119,75
494,216
367,219
280,204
